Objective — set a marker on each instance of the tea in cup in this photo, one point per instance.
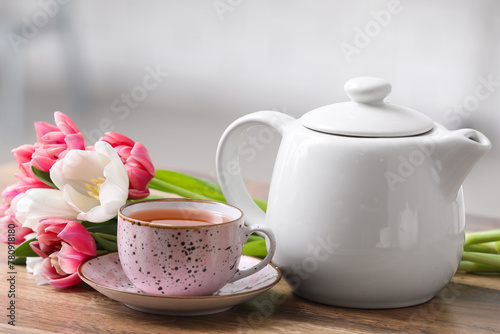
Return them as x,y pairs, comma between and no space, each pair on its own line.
184,247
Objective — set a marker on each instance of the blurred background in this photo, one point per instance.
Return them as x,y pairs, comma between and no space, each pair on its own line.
174,74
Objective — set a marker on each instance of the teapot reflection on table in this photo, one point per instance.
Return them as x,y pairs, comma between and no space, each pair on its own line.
365,200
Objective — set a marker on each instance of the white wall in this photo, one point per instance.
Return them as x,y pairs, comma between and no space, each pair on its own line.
227,58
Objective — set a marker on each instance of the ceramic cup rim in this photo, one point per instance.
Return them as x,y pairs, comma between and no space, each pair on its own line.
139,222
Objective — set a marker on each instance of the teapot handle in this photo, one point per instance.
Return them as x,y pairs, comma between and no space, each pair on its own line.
228,166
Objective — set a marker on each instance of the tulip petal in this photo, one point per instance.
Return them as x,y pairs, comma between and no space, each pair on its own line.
123,152
75,141
37,204
65,123
48,238
43,163
78,168
56,137
69,259
140,154
66,281
138,194
116,139
23,153
56,228
33,265
35,246
116,185
102,212
42,128
103,171
79,238
139,178
47,270
79,201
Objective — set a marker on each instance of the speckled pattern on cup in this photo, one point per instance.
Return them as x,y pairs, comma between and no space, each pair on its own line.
181,260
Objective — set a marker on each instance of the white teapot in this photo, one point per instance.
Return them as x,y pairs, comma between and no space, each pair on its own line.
365,200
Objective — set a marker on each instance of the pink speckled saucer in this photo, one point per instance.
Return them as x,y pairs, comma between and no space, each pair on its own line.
105,274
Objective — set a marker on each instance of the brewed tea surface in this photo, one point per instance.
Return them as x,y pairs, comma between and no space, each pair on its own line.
180,217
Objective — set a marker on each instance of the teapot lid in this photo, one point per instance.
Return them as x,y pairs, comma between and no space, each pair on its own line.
367,115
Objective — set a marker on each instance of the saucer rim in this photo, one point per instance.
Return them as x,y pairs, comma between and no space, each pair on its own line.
263,289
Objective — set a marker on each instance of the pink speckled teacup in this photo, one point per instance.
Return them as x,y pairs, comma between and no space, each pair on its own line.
194,260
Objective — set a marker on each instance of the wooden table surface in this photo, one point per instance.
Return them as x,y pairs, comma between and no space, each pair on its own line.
468,304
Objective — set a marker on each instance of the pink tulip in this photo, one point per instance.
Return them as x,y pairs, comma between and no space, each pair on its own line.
10,192
135,156
8,223
45,158
48,240
52,232
64,245
117,139
42,128
69,258
53,142
65,124
23,155
79,238
49,272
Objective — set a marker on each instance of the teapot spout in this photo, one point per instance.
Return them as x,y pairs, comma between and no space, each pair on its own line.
456,154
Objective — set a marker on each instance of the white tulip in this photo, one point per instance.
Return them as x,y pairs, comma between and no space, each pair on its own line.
39,203
94,183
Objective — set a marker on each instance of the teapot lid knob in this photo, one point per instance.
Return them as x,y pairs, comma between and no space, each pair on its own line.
367,89
367,115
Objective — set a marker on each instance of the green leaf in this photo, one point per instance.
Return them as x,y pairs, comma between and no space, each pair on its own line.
209,187
43,176
101,252
19,260
261,204
24,249
256,248
187,183
107,236
108,227
173,189
254,237
149,197
216,188
108,245
190,187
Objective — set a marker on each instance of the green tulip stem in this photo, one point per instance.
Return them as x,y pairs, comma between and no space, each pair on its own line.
482,258
482,237
480,248
472,267
494,245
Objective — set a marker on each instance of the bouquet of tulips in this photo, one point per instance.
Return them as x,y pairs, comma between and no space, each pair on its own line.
63,209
